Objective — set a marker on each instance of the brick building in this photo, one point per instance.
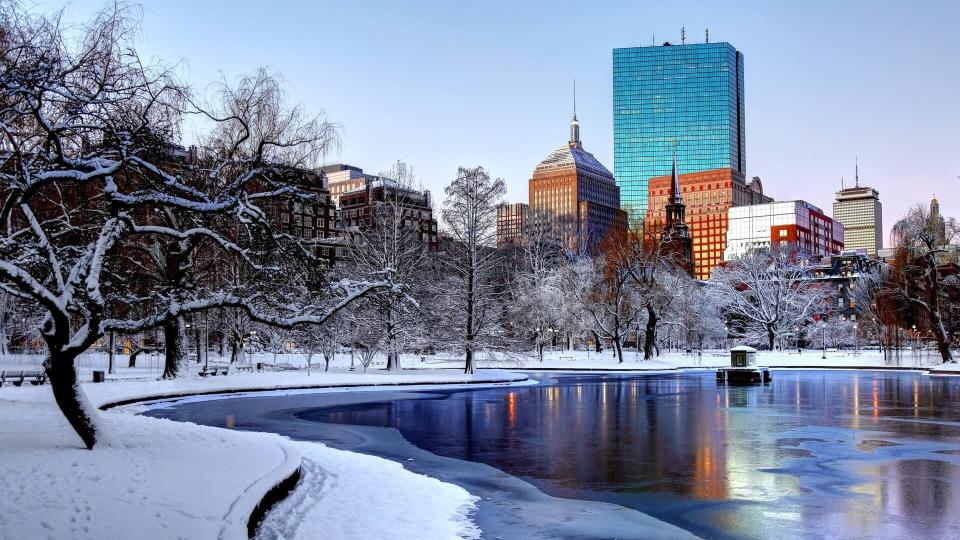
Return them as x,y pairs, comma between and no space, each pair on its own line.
313,220
357,209
707,196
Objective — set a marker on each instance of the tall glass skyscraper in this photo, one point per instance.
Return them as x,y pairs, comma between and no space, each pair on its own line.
690,96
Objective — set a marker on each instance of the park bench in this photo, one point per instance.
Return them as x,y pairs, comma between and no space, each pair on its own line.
566,358
19,376
214,369
240,368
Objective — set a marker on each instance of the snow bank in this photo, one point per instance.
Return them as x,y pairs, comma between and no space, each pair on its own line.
348,495
124,390
162,479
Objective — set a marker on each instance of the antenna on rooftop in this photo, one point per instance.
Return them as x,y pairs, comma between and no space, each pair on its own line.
707,34
856,170
683,35
653,39
574,97
841,183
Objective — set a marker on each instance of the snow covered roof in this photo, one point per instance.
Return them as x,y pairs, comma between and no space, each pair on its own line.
574,156
744,348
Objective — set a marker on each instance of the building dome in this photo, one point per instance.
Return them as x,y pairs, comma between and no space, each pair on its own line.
575,157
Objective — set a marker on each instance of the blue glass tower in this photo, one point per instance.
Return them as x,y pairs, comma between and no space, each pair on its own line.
690,96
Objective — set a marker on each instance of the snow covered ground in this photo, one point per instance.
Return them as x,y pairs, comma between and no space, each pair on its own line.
164,479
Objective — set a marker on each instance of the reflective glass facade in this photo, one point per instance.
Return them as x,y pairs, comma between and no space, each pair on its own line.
689,94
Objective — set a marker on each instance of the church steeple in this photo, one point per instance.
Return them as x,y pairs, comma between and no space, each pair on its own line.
675,183
676,242
574,124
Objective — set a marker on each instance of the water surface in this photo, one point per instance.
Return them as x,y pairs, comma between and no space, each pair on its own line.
813,454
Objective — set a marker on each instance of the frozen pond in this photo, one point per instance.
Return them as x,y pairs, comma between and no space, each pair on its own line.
814,454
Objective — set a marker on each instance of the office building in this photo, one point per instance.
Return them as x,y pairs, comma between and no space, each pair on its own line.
795,227
859,210
684,98
577,195
341,178
511,223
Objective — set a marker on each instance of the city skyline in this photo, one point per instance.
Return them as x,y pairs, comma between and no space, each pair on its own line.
824,83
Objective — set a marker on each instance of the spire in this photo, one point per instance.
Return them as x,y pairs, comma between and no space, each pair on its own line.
675,181
856,171
574,124
574,98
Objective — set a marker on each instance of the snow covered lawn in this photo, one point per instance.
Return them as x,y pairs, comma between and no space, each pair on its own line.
158,479
164,479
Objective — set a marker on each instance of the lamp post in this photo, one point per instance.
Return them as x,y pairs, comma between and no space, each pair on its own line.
823,326
796,338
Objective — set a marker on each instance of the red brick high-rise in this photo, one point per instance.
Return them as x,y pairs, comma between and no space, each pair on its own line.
707,195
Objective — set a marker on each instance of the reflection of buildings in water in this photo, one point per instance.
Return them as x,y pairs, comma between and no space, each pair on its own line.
686,435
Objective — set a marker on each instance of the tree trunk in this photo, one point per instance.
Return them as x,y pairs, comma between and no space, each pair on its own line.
71,399
619,349
111,346
651,333
393,358
134,355
597,346
933,310
175,347
326,362
200,348
469,368
771,337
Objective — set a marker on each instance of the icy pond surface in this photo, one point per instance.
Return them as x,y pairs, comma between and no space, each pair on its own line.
815,454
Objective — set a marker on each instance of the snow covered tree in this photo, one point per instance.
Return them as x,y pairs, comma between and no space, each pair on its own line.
537,297
766,295
89,162
470,216
924,275
390,240
697,311
604,286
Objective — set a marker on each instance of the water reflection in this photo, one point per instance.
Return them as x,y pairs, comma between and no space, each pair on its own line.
813,454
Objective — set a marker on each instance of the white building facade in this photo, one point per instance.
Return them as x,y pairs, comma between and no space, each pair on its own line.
797,226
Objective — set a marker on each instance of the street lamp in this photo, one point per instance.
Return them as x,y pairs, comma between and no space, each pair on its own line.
796,338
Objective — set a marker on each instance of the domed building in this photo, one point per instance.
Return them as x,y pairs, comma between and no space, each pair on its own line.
573,193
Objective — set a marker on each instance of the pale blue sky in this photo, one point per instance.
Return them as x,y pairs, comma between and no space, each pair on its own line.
440,84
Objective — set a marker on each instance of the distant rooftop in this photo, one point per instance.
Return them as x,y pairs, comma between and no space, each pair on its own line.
336,167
